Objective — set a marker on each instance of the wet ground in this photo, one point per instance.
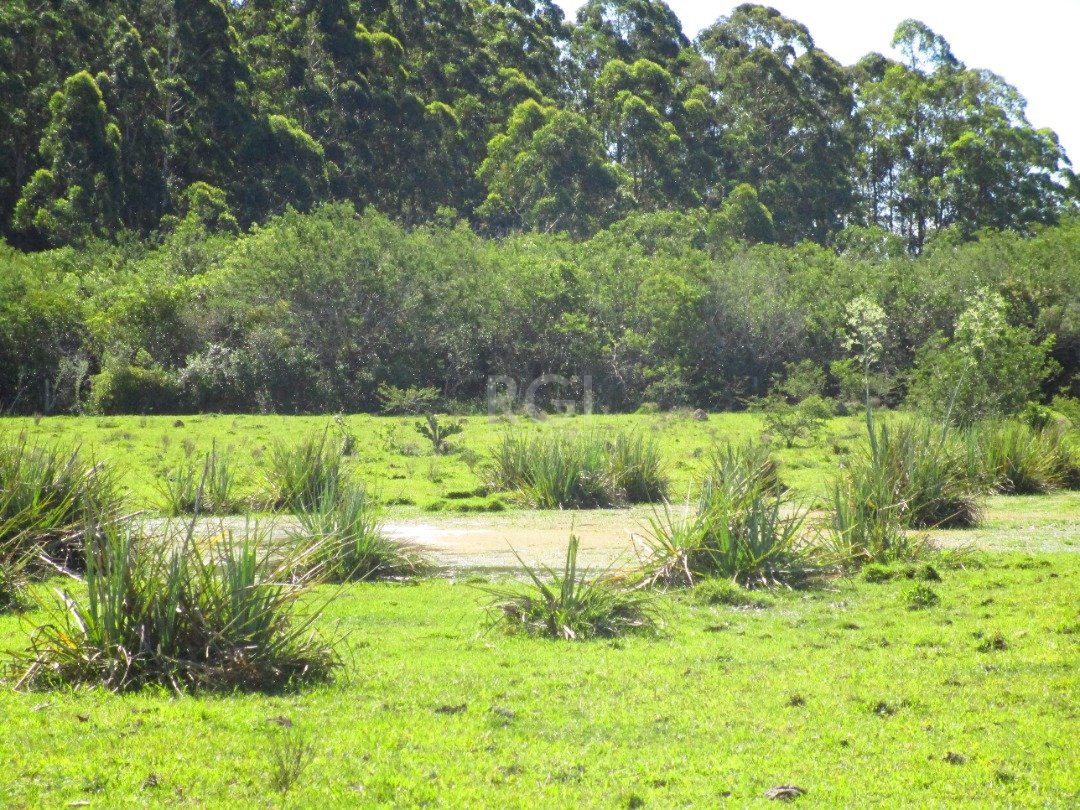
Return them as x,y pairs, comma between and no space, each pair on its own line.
614,537
608,537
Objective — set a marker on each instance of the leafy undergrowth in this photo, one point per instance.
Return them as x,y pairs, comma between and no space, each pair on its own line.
843,692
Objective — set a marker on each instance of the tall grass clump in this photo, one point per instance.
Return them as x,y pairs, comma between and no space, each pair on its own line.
742,469
208,488
554,470
570,604
559,470
1012,458
217,615
350,543
910,475
303,475
918,470
637,468
16,560
745,528
866,522
46,495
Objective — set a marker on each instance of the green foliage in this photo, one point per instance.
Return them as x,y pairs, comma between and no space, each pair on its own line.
920,596
16,561
138,386
796,423
744,470
989,368
1014,459
548,170
913,469
571,604
743,218
557,470
1069,407
438,433
1043,417
637,468
78,194
866,521
350,543
510,116
725,592
875,572
565,469
411,400
208,206
209,322
169,612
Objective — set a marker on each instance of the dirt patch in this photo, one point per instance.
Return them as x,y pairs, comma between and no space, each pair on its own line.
489,541
485,541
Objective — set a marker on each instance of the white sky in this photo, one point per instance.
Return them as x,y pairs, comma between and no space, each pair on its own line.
1031,44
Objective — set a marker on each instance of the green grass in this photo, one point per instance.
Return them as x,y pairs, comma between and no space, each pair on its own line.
845,693
948,681
388,452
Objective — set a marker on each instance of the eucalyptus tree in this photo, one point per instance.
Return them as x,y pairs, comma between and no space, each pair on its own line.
549,171
78,193
784,107
942,145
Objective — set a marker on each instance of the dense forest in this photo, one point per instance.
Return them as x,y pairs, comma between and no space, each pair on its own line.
288,204
119,115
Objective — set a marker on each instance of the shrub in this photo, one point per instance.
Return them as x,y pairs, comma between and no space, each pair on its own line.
1067,407
1040,417
554,470
138,386
176,613
350,543
46,496
438,433
989,367
394,400
744,529
794,423
920,596
16,558
571,604
865,522
304,476
877,573
208,488
743,469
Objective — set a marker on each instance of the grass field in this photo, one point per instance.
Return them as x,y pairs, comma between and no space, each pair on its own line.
860,693
391,456
844,692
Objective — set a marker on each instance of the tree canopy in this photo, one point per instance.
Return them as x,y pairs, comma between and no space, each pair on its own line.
505,114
